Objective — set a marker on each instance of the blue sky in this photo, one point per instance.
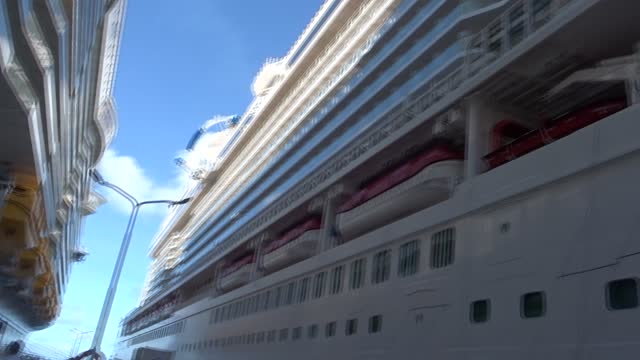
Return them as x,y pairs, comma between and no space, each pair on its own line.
181,63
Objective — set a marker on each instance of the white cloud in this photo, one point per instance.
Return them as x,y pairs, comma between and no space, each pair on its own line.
126,172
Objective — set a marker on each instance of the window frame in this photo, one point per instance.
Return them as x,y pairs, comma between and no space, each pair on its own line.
404,257
472,311
523,302
381,267
608,294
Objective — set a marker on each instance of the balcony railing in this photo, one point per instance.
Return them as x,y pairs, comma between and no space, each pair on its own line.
513,27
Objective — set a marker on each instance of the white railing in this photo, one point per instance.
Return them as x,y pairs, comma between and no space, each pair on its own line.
482,53
477,58
301,87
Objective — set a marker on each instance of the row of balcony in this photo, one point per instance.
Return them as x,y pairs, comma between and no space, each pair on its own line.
419,182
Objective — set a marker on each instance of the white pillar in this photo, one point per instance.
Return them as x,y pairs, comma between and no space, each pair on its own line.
327,238
477,142
258,244
481,117
633,84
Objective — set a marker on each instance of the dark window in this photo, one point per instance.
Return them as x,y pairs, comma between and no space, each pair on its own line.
260,337
622,294
265,300
330,329
375,324
297,333
351,327
271,336
336,279
381,267
278,299
443,245
312,331
318,287
303,290
480,311
284,334
291,288
408,258
533,304
356,279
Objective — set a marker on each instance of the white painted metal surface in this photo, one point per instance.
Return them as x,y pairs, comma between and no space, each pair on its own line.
546,239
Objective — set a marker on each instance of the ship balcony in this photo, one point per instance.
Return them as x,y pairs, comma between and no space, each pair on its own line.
424,181
237,277
298,249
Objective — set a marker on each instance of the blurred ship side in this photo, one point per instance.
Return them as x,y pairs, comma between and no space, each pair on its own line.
58,60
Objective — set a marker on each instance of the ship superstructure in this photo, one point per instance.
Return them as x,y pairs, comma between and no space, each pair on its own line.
58,61
418,179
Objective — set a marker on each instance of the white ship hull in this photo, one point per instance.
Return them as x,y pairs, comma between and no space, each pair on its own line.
530,256
568,232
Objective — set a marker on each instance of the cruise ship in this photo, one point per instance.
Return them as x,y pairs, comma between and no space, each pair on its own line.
57,63
441,179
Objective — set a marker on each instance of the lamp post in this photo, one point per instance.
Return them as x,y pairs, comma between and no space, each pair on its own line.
111,292
78,340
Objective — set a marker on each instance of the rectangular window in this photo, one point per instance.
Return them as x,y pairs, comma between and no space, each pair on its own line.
271,336
375,324
303,289
408,257
312,331
234,311
278,299
291,288
246,308
533,305
443,244
336,279
318,285
297,333
356,279
284,334
255,305
260,337
330,329
480,311
622,294
351,327
265,300
381,267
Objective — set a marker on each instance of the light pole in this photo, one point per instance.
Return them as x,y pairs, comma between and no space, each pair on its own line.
78,340
111,292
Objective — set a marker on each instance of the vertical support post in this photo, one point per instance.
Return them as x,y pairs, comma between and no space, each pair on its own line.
474,144
214,282
480,120
633,83
257,267
327,236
